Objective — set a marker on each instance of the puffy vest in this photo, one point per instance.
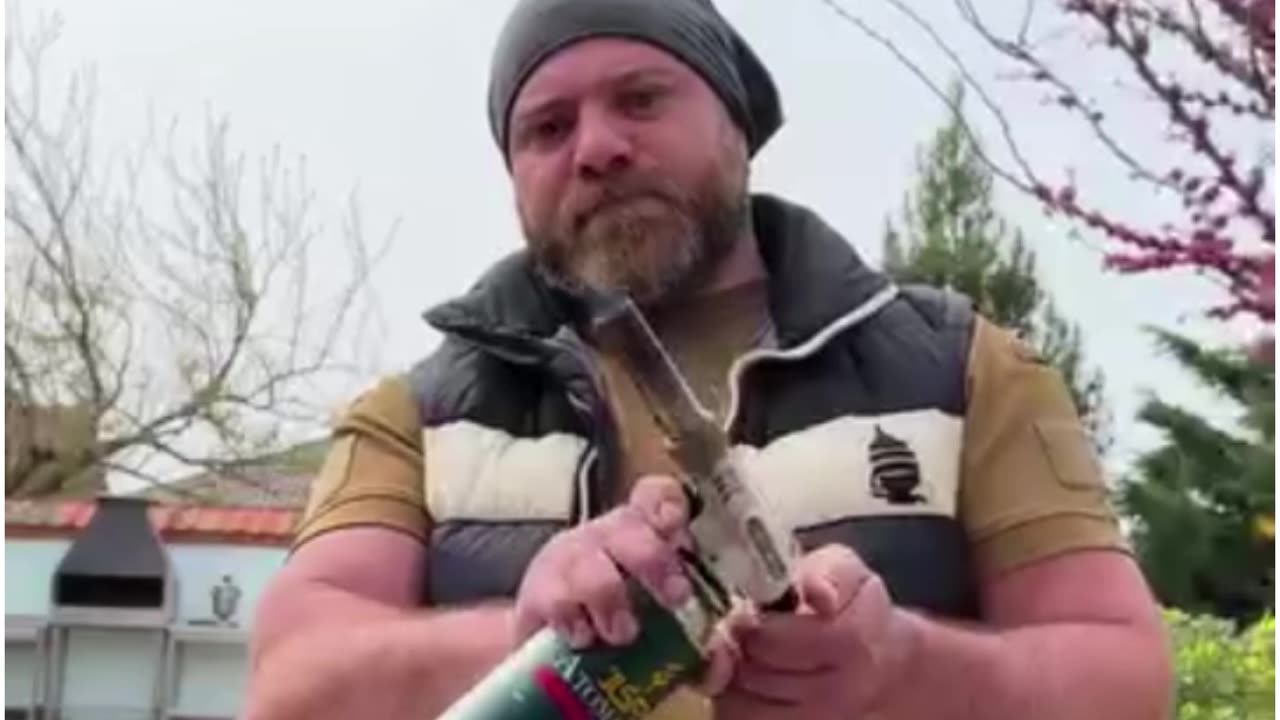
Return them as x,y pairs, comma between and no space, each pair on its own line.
851,429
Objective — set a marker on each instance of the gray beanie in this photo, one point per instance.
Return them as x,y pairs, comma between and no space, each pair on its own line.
691,30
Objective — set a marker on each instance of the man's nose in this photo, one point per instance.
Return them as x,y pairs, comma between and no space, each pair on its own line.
603,147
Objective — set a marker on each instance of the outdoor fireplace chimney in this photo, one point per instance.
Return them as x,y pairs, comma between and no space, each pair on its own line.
116,563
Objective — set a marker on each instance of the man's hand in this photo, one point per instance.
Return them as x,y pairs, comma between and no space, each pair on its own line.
828,660
575,582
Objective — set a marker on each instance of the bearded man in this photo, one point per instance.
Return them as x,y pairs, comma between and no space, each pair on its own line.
960,559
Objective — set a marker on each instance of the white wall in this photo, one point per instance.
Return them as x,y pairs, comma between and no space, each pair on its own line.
28,574
110,672
211,680
19,673
200,567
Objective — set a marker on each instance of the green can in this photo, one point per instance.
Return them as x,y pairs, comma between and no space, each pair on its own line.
546,679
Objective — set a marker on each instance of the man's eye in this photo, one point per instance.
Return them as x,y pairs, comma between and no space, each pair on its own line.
545,130
641,99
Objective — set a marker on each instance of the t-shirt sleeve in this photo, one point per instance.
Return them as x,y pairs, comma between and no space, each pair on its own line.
1031,484
373,472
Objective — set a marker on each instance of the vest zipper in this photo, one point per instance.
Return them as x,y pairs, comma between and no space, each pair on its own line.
584,483
798,352
736,371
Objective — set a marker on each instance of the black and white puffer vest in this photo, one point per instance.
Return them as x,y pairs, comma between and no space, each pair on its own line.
851,430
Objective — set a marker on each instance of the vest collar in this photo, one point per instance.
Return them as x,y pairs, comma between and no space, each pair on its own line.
815,278
815,275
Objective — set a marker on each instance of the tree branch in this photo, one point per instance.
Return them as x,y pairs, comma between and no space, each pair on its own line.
189,329
938,92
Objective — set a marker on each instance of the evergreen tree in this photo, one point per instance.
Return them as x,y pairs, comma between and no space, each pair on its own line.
952,236
1203,503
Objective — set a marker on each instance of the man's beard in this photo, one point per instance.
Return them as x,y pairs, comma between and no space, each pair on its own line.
647,239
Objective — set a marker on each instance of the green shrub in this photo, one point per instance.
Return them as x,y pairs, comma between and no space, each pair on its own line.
1223,674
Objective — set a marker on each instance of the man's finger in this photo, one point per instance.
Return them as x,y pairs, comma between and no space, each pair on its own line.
577,632
596,583
549,605
829,578
736,703
722,657
644,555
723,653
661,500
788,644
783,688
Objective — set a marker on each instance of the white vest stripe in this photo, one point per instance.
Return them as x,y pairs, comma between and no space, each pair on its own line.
905,463
824,473
473,472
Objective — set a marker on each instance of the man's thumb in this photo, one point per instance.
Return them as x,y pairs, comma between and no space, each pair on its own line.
829,578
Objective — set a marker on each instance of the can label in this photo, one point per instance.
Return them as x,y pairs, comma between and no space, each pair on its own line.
584,688
546,679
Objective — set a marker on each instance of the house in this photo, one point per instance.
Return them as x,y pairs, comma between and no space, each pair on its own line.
131,607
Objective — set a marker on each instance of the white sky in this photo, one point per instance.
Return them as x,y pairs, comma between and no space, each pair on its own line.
388,95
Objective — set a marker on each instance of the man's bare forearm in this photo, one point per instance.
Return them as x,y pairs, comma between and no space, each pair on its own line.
406,665
1062,670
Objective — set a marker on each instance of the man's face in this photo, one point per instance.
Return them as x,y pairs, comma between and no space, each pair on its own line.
629,174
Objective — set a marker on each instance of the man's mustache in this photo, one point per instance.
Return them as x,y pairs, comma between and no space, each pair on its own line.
607,198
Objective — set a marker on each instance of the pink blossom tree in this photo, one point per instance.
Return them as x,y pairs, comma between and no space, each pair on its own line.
1206,72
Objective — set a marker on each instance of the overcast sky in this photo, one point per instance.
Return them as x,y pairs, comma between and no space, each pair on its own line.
388,95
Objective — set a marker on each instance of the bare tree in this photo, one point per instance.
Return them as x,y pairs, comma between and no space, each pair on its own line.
1203,72
160,304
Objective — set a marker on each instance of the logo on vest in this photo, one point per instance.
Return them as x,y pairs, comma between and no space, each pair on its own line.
895,472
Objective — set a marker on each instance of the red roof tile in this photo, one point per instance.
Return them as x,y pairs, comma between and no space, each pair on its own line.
174,523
